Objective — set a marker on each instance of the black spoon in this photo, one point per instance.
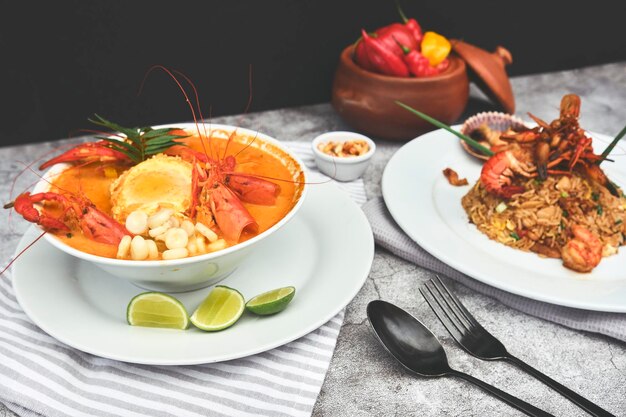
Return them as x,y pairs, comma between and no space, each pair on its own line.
419,351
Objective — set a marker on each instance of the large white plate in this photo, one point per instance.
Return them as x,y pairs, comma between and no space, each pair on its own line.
429,210
326,252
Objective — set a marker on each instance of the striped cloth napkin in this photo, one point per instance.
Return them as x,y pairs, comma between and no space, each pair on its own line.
41,376
389,235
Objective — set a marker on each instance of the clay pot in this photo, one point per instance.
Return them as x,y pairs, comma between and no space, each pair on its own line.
366,100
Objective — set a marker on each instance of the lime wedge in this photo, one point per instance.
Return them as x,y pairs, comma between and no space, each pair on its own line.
271,302
156,309
221,309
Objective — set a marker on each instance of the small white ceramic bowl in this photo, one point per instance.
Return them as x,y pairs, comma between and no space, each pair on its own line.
342,168
195,272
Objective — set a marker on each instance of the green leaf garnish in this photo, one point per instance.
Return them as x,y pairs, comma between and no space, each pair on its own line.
471,142
140,142
514,236
609,148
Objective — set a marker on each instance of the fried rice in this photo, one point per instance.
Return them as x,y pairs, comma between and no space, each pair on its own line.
540,219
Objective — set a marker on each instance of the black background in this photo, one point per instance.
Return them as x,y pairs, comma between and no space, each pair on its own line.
62,61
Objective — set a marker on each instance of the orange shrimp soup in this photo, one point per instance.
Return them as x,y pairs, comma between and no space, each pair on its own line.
254,156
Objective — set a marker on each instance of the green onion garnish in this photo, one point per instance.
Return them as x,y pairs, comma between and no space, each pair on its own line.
618,221
595,196
444,126
514,236
565,214
609,148
599,210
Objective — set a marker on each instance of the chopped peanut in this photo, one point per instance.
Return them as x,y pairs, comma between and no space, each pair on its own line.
344,149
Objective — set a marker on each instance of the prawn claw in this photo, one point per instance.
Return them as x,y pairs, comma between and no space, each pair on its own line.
497,172
87,153
94,223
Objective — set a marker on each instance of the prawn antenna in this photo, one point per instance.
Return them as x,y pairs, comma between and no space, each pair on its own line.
180,87
249,103
249,90
197,97
246,110
28,167
256,134
21,252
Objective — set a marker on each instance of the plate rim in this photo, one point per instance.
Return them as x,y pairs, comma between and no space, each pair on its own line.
361,276
464,268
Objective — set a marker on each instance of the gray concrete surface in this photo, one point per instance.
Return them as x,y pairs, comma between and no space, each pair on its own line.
363,380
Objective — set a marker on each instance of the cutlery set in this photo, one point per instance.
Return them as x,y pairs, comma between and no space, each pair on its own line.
420,352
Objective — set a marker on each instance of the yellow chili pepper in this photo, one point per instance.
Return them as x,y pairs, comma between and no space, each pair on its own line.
435,47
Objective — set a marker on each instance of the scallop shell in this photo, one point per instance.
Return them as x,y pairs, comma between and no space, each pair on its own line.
495,120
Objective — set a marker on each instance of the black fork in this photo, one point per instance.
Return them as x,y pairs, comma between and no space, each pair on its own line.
477,341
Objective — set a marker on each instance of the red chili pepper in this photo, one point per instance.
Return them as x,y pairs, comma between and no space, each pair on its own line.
396,31
417,63
415,29
360,55
412,26
443,65
382,59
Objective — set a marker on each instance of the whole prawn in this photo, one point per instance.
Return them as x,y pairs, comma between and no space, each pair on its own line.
583,251
218,191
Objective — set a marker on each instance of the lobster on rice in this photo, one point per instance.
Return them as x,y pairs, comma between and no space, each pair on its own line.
544,191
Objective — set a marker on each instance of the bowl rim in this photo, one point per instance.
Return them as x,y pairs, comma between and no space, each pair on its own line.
450,72
43,185
325,137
